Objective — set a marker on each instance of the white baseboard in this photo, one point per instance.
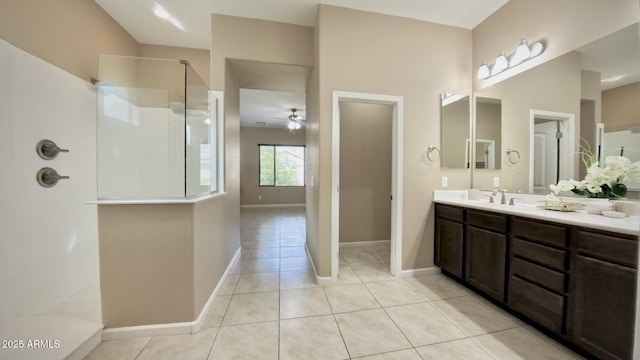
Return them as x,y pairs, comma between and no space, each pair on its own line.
320,280
197,324
129,332
272,205
190,327
419,272
83,350
365,243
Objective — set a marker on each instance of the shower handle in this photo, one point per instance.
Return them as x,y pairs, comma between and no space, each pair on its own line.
48,150
48,177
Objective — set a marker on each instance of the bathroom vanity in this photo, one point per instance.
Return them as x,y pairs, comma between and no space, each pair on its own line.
572,274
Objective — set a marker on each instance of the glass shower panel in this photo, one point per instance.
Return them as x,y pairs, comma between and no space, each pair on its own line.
141,128
201,174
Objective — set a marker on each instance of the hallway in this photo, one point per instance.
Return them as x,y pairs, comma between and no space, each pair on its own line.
271,308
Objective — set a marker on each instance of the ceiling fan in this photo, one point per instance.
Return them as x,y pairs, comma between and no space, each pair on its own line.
294,121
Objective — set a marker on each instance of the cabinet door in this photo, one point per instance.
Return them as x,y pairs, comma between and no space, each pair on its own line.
485,261
603,311
448,246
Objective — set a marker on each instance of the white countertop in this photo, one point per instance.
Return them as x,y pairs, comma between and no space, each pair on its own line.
158,201
526,207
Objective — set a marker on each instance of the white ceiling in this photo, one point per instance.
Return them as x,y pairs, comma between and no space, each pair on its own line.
615,55
137,17
618,54
269,107
258,104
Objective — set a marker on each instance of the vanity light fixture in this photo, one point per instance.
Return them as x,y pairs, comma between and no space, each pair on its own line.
523,53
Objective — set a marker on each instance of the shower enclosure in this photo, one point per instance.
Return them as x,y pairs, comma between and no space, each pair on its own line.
156,130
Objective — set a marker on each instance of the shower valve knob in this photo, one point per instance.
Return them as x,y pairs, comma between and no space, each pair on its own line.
48,177
48,150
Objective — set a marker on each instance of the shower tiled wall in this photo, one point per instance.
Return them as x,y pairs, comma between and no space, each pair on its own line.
49,278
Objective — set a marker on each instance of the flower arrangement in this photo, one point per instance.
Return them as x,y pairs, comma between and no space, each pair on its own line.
602,182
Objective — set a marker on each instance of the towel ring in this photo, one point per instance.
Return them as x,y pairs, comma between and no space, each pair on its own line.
433,153
513,156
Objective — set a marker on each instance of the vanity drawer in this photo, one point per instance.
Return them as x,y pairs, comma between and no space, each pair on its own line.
487,221
548,278
541,254
450,212
538,304
539,232
618,249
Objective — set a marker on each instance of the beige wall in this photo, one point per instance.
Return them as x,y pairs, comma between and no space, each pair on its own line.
312,128
67,33
250,138
257,40
372,53
562,25
160,263
365,172
146,264
620,107
74,44
232,158
215,242
199,59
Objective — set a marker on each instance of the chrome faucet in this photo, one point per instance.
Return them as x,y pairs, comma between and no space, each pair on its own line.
503,200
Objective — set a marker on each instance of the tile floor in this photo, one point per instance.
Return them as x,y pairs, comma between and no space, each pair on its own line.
271,308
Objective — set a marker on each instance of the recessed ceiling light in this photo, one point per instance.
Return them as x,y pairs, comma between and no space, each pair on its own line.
161,12
613,78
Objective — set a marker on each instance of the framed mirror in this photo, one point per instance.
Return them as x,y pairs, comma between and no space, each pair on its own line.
588,84
455,117
488,141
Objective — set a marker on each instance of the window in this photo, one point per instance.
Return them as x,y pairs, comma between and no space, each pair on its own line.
281,165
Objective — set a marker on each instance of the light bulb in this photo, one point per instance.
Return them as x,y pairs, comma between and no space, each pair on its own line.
522,53
536,49
483,71
298,126
500,65
291,125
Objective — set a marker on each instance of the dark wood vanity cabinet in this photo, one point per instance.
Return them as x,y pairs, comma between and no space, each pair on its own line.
485,250
538,272
602,309
449,227
575,282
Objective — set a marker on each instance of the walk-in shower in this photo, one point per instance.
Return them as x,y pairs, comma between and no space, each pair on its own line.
156,130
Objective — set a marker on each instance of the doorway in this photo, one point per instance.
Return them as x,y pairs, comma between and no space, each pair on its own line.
552,150
395,196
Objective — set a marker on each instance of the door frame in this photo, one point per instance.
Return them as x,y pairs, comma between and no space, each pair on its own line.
567,122
491,162
396,174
